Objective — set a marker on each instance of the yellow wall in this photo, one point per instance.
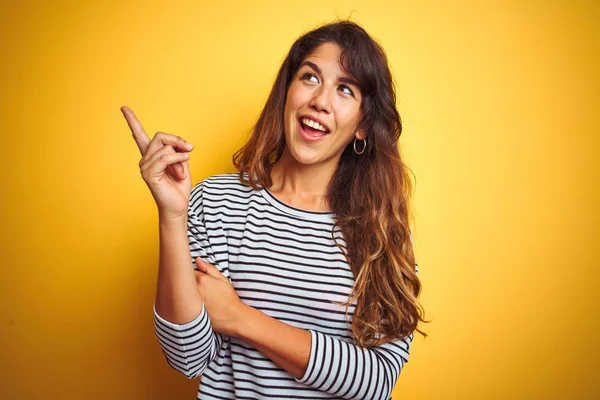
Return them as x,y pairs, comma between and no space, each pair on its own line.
499,102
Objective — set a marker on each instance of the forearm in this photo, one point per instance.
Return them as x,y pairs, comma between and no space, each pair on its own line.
285,345
177,296
324,362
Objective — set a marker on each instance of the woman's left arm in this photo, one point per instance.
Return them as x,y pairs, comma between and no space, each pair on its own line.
326,363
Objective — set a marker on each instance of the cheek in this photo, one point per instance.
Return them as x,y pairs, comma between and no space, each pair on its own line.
287,111
293,98
348,118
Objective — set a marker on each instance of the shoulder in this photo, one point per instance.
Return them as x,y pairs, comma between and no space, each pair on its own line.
219,182
217,186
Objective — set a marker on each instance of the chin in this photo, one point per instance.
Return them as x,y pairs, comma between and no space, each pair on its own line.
305,156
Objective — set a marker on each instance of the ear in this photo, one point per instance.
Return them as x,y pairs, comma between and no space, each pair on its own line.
360,134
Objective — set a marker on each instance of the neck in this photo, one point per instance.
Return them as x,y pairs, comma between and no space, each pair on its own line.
302,186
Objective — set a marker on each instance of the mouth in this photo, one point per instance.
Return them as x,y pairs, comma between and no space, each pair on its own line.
312,130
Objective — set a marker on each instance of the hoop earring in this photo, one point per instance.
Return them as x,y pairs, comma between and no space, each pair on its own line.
364,146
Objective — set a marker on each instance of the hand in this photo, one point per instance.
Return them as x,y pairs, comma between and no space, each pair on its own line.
164,167
222,303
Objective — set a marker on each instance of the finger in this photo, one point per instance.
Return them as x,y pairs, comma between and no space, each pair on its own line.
198,276
141,139
177,170
200,279
186,169
149,158
180,174
162,139
201,265
158,167
209,269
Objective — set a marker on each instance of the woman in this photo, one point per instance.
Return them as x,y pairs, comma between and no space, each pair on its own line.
304,283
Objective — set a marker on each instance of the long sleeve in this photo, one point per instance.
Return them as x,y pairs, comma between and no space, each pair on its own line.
351,372
190,347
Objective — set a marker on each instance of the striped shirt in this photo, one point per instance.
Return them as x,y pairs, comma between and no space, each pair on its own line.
284,262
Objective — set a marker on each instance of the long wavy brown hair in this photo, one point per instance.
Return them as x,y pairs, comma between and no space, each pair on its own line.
368,194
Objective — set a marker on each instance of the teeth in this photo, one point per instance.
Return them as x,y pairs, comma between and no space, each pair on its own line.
313,124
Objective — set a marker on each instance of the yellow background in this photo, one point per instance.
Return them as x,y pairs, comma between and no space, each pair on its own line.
500,104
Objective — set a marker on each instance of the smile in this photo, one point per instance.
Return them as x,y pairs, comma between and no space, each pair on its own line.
312,133
307,122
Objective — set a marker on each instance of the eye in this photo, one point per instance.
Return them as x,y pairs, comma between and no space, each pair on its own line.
347,90
309,76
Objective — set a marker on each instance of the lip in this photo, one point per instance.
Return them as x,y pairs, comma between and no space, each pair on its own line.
307,137
316,120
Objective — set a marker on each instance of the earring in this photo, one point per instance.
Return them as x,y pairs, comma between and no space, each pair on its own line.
364,146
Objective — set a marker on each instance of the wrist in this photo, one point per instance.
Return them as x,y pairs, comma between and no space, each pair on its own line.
168,219
242,321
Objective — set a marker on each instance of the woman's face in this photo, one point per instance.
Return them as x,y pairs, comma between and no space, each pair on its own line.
322,108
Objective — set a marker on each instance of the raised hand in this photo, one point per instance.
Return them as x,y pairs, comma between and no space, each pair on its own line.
164,167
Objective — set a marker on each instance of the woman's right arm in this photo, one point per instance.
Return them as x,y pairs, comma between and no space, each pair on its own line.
181,324
177,297
187,339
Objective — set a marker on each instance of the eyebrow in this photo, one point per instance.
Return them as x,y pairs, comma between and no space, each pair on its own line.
343,79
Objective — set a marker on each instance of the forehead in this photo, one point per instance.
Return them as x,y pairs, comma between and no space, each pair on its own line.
328,56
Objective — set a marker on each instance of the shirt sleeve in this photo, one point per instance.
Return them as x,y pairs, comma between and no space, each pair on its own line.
190,347
349,371
352,372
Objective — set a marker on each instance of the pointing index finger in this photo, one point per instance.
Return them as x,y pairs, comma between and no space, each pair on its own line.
141,138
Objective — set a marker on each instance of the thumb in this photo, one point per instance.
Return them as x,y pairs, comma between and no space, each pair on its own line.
207,268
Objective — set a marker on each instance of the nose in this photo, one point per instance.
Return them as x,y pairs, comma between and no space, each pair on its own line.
321,100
